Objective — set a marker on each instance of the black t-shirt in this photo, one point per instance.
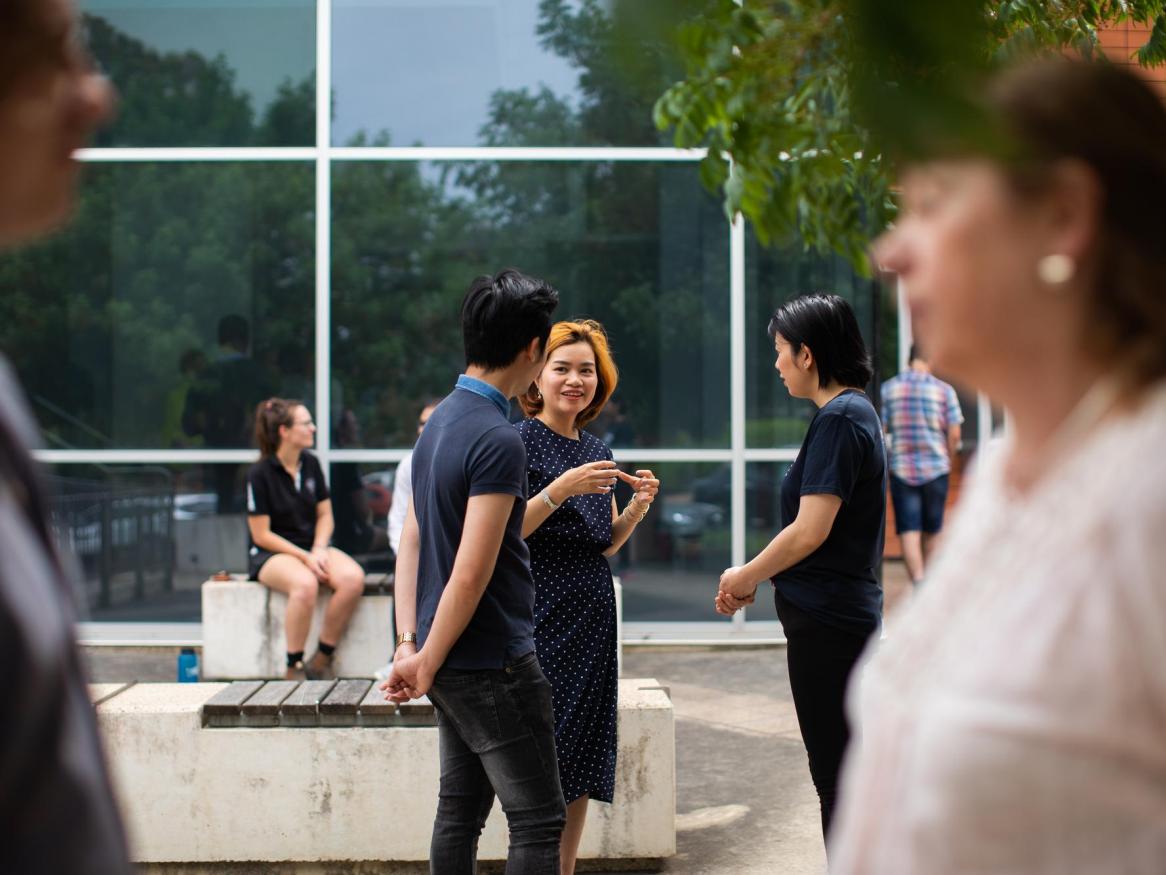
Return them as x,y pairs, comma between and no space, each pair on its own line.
843,455
290,502
469,448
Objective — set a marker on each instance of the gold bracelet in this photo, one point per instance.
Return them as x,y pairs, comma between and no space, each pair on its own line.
639,519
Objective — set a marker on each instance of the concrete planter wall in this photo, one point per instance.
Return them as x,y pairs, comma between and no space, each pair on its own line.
194,794
242,628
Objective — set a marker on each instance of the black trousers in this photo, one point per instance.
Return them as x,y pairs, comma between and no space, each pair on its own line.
821,658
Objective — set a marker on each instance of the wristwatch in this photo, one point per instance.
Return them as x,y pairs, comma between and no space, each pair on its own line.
406,638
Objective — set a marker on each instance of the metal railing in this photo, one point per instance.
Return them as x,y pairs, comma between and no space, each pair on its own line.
121,531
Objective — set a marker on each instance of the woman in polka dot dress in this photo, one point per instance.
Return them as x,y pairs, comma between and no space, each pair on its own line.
571,525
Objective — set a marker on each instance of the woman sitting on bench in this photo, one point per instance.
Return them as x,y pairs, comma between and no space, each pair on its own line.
290,521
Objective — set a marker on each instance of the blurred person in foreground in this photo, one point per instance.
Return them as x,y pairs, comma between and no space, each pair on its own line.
922,418
403,482
1014,720
57,812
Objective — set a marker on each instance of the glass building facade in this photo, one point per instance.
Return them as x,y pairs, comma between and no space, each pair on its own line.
292,201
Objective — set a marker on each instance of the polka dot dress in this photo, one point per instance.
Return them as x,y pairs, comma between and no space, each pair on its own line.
574,613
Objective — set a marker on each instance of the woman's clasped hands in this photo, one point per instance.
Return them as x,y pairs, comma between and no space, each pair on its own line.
736,590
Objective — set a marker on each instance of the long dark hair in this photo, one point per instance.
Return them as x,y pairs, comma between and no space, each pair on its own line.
269,416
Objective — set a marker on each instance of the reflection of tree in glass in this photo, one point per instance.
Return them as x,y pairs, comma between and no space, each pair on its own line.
99,320
625,55
628,244
185,99
396,290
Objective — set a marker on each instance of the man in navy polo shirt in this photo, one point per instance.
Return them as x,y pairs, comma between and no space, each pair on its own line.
465,595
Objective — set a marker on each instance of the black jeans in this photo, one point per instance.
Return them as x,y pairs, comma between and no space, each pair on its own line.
497,736
820,658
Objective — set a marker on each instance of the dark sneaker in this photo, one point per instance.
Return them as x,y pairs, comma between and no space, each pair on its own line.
296,672
319,668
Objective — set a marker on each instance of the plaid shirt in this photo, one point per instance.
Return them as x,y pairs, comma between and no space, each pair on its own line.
918,410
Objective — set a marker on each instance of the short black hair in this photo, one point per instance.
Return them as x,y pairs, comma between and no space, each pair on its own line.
916,354
502,314
827,325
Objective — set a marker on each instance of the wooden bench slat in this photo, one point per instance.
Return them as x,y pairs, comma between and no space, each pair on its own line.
306,699
416,708
345,697
374,710
229,701
374,704
269,698
379,584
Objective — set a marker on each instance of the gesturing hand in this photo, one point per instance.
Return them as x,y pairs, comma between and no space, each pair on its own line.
594,478
645,485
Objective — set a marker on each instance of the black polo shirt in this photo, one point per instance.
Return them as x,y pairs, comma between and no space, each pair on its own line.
289,501
469,448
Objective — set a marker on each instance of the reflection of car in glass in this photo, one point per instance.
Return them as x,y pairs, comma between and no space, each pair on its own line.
378,488
205,540
690,519
761,493
195,505
686,532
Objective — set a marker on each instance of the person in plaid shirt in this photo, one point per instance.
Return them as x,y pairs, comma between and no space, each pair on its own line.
922,417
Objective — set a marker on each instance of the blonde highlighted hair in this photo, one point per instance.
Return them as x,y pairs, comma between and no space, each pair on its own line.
583,331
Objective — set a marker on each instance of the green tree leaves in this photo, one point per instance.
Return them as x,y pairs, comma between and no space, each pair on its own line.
802,102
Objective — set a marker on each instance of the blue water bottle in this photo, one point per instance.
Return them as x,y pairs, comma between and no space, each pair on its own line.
187,666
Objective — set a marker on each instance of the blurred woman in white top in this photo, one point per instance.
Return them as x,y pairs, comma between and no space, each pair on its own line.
1014,721
403,483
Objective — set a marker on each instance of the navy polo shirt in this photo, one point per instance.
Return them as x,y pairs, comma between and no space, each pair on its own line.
469,448
289,501
842,454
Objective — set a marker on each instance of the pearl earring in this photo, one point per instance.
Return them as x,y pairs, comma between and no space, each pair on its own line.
1056,269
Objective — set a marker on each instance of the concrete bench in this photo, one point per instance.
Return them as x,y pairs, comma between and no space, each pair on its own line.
212,774
242,630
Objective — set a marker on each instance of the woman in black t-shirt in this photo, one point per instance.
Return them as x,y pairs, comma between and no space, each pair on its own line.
290,521
824,561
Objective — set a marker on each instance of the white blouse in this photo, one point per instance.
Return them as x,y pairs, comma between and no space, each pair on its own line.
1014,719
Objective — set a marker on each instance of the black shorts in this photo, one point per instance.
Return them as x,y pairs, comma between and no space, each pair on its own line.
256,557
